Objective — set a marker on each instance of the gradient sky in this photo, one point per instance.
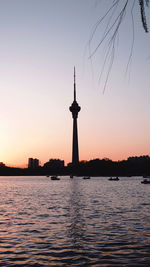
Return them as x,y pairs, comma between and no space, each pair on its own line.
41,41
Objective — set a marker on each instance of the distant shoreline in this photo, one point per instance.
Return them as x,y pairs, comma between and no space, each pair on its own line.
133,166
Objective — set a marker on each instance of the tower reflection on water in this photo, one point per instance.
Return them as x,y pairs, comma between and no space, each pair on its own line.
77,226
75,108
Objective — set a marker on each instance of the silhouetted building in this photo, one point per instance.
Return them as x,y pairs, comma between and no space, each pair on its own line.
2,165
75,108
30,163
54,163
36,163
33,163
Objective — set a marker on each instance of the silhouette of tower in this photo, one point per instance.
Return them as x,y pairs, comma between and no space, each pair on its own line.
75,108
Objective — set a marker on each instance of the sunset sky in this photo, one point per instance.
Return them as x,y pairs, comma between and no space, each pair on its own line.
41,42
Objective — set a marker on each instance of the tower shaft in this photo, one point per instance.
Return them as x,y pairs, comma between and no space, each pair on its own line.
75,148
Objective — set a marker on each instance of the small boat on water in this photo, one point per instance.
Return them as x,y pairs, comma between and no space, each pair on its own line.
55,177
113,179
86,177
146,176
145,181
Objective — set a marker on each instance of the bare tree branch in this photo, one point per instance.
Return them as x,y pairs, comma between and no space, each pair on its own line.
114,17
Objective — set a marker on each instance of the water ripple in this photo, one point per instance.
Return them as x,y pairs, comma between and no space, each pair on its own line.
74,223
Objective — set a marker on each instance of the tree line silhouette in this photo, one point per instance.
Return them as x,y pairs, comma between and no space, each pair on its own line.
133,166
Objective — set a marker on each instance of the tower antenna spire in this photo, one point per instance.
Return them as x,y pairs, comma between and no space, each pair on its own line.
74,84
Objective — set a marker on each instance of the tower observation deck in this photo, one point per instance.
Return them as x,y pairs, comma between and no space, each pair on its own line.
75,108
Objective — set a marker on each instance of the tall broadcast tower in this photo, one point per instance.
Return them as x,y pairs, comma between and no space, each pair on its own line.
75,108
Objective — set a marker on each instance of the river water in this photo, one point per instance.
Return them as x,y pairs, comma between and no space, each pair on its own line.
74,222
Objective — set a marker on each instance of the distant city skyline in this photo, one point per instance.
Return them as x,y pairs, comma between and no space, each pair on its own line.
41,41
